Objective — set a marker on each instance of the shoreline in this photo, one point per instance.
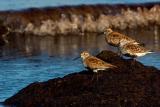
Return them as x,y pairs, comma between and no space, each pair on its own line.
82,18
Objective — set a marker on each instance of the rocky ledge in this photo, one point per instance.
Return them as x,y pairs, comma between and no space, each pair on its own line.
130,85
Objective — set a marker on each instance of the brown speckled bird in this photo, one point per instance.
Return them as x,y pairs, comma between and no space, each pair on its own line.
114,38
132,50
94,63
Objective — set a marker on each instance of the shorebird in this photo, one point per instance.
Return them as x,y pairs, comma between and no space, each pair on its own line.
94,63
114,38
132,50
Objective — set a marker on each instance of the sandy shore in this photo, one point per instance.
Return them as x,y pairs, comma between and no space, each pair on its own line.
80,19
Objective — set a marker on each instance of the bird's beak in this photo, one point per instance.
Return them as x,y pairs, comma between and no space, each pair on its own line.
76,58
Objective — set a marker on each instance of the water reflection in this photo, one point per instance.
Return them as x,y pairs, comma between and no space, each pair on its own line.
72,45
61,45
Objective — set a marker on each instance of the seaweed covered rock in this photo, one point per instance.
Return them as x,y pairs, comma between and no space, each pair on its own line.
130,85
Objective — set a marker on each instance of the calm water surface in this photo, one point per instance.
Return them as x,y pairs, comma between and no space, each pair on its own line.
30,58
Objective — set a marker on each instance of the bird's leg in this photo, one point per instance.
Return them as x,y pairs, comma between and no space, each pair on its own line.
119,52
94,71
96,77
133,62
134,59
92,77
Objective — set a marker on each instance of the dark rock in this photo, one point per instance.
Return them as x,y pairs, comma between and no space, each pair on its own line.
130,85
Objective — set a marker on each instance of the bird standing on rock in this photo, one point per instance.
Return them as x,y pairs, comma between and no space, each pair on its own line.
132,50
94,63
114,38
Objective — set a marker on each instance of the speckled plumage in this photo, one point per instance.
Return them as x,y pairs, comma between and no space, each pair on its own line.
114,38
94,63
133,50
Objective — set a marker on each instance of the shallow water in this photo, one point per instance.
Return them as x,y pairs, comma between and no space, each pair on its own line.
30,58
23,4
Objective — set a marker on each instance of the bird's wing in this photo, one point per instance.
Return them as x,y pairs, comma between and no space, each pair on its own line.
125,37
136,48
94,62
116,37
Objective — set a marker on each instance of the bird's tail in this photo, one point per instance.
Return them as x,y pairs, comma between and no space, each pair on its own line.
142,44
113,66
137,43
150,52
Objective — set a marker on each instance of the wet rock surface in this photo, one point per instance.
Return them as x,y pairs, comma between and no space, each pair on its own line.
131,84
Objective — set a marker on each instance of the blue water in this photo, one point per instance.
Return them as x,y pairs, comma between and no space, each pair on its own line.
32,58
23,4
16,73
